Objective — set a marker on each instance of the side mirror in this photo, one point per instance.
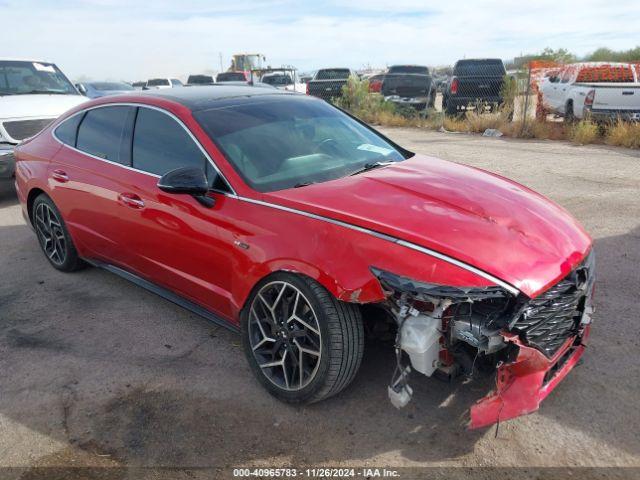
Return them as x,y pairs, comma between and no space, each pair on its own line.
189,181
81,88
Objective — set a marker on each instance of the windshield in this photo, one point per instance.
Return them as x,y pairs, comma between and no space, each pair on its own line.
230,77
282,142
109,86
409,69
21,78
333,74
158,82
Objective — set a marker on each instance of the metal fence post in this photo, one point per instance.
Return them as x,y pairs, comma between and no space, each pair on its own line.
526,101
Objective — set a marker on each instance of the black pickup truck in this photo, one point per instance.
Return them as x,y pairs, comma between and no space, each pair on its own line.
327,83
410,85
476,83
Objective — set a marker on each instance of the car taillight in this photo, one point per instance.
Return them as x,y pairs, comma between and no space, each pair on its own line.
454,86
588,101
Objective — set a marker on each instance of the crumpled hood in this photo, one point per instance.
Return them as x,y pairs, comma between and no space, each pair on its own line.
37,106
479,218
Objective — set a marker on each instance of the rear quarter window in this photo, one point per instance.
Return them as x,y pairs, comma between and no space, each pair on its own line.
67,131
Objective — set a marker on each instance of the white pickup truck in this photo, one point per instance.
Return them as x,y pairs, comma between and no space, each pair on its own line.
602,91
32,94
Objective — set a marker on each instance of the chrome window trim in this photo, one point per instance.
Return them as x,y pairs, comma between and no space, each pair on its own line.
427,251
152,107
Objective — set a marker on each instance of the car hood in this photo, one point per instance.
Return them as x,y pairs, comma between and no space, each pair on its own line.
37,105
476,217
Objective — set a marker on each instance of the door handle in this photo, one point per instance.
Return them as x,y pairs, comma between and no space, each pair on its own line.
60,176
131,200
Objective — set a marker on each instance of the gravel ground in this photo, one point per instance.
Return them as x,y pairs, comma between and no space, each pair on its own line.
98,372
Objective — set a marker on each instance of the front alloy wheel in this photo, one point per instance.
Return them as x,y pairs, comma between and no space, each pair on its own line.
285,336
301,342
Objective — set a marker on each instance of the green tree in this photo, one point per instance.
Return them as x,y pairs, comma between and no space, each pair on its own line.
604,54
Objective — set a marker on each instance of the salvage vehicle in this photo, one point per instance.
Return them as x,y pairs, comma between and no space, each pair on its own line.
375,82
327,83
282,217
160,83
32,94
283,78
476,84
409,85
232,77
200,80
598,90
101,89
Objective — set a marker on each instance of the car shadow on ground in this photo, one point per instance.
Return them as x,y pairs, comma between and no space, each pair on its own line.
111,370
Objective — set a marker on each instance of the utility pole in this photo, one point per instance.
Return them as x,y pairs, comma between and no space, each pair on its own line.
221,67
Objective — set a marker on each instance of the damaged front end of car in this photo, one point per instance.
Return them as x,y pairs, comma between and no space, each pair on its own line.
531,343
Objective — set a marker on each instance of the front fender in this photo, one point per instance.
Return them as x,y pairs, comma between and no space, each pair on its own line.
337,257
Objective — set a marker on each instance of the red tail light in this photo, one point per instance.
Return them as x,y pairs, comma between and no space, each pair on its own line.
588,101
307,88
454,86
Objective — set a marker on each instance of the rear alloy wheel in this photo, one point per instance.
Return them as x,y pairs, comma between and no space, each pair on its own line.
302,344
53,236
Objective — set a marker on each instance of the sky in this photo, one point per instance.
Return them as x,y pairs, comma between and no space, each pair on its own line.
135,40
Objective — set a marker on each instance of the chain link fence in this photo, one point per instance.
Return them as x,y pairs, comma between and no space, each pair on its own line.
482,96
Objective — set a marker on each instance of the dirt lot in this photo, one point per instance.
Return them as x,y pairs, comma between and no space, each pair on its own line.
96,371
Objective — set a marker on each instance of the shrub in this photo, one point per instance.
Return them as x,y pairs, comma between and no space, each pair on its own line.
584,132
539,129
455,124
369,107
624,134
374,109
478,122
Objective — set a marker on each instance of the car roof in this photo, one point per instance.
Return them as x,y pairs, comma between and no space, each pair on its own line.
208,96
27,60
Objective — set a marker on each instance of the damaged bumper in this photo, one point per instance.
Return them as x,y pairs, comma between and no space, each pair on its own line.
531,343
522,384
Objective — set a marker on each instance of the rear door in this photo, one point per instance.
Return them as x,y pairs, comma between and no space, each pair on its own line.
86,176
173,240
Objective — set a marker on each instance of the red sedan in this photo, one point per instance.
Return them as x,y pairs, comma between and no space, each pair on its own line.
282,217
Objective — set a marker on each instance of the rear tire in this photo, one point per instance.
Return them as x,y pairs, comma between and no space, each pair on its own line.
569,116
53,236
292,321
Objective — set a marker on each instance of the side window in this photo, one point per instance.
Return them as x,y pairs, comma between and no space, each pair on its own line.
160,144
566,76
68,130
102,131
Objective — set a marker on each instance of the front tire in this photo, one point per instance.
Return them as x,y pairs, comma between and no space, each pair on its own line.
53,236
302,344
